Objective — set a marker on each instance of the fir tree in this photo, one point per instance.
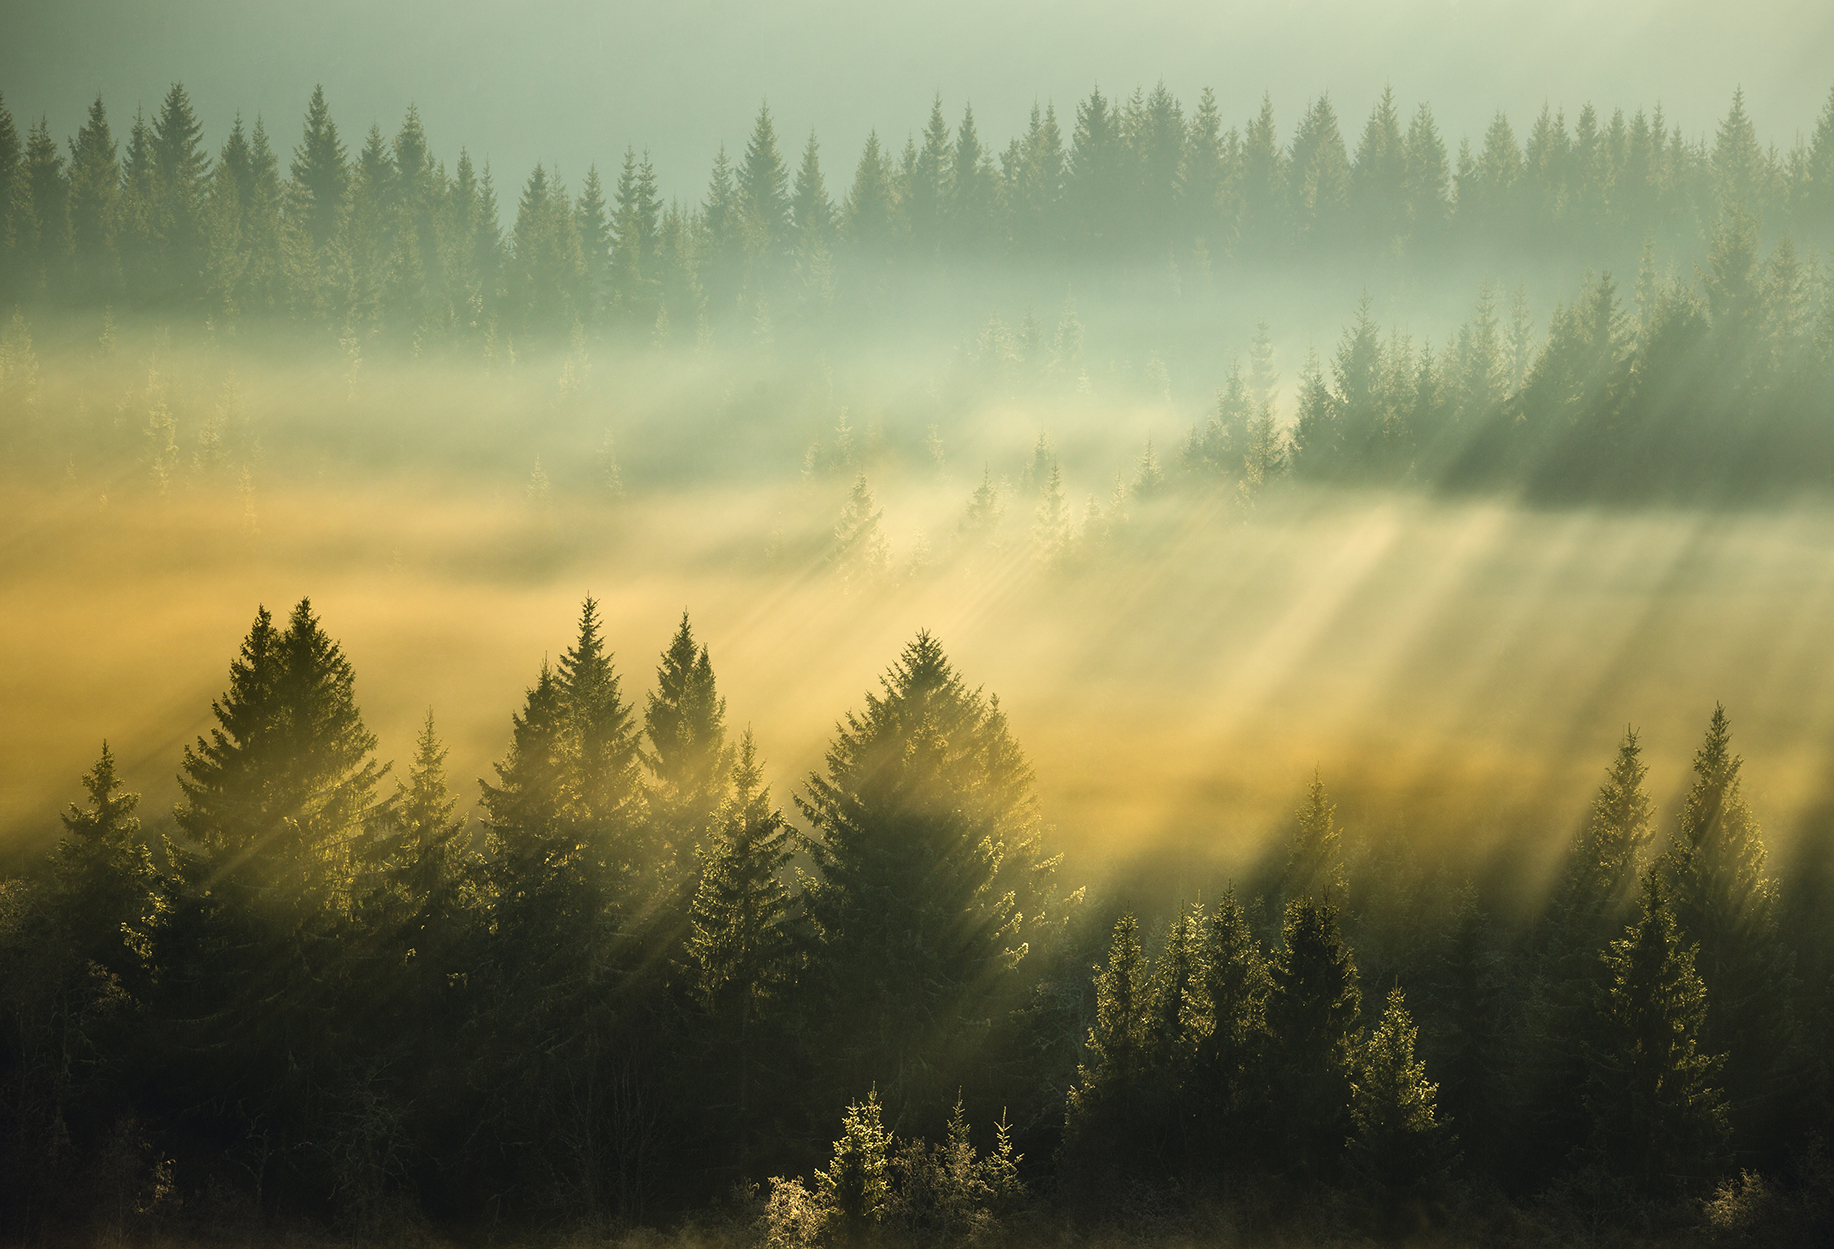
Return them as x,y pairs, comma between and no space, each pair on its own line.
419,853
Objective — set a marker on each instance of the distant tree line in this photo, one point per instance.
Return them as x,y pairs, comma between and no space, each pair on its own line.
390,240
1715,387
636,987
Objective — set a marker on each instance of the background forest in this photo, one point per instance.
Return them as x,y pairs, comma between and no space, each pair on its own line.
1533,986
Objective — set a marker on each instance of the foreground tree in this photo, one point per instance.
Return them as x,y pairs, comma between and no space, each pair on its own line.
1398,1143
1659,1118
929,873
1312,1024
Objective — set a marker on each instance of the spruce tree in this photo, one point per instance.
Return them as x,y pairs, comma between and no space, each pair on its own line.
320,173
418,854
763,183
12,177
602,780
43,213
1312,1018
811,212
685,722
276,798
1105,1117
1726,905
1659,1119
1314,858
855,1187
741,938
180,197
1398,1144
929,879
593,223
860,554
95,186
1228,1066
104,873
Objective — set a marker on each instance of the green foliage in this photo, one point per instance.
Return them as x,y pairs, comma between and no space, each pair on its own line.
1398,1143
855,1187
1312,1017
1659,1117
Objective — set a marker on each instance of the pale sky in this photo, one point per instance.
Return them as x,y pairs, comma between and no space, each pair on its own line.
570,82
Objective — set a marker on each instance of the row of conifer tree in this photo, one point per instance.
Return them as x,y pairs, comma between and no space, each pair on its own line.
390,239
634,983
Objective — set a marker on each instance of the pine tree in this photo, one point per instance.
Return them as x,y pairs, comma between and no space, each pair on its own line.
928,189
1203,175
1264,185
635,223
869,214
1398,1143
530,852
1312,1018
1095,187
1425,181
1658,1118
1319,178
973,190
12,186
1378,181
1149,479
685,722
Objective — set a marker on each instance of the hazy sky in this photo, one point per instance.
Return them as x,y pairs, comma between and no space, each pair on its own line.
571,81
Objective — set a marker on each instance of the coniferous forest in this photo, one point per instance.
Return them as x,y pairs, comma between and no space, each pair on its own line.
1430,480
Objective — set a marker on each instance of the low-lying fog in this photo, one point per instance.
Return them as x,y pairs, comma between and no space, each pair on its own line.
1458,672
